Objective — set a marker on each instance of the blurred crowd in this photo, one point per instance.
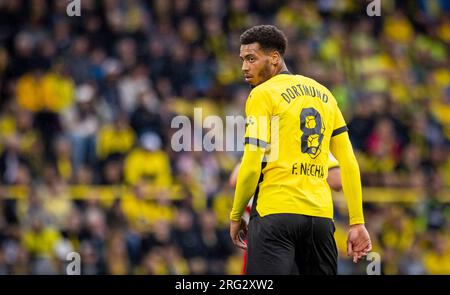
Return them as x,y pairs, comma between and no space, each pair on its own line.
86,105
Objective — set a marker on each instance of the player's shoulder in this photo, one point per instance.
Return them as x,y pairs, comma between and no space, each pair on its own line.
259,93
260,89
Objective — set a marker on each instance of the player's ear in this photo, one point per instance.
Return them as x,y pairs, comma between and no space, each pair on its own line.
275,58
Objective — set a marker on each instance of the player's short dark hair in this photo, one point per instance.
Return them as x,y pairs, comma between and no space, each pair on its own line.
268,37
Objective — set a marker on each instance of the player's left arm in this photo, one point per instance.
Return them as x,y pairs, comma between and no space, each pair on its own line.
257,137
247,180
258,110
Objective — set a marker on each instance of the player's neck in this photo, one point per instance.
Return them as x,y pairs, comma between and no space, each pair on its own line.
281,69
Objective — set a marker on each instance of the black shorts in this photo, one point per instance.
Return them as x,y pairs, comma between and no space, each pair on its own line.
291,244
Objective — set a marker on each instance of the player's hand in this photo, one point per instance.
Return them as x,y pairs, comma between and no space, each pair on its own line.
238,232
358,242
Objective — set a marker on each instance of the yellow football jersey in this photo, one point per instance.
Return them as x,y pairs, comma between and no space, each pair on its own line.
294,118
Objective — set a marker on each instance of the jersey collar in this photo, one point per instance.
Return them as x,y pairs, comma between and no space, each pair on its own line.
280,73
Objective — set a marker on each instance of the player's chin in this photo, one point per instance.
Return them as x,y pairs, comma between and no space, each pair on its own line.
251,81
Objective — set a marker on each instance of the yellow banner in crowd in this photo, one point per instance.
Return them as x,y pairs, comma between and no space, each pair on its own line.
108,192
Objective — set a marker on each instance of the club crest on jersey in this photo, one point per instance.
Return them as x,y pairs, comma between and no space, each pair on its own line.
251,120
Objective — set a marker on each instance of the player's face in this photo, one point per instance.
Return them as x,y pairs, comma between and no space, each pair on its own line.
255,64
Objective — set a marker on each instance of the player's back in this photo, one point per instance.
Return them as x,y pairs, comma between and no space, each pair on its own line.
304,115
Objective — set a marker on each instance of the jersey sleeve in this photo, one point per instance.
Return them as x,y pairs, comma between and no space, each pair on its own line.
341,148
339,122
258,111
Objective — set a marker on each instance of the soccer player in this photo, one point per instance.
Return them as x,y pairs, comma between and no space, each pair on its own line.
293,122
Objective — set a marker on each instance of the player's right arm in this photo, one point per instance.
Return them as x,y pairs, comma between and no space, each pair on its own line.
358,243
342,149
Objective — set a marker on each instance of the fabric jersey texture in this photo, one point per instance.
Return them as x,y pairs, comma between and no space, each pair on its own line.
295,118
